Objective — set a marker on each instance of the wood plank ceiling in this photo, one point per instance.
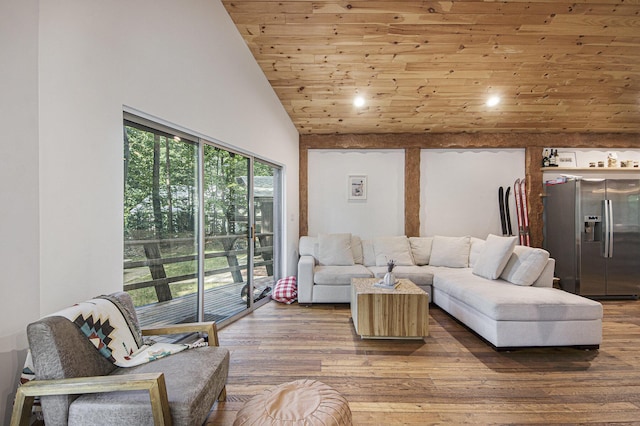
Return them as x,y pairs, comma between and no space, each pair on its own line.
430,66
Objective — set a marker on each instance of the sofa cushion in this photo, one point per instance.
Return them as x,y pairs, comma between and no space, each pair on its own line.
494,256
368,255
193,379
392,248
356,249
501,301
477,245
546,276
421,249
308,246
419,275
452,252
339,275
335,249
525,265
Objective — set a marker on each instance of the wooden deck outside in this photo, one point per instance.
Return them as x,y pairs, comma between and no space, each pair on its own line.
220,303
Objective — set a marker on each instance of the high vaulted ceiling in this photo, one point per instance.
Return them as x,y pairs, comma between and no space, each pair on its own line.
430,66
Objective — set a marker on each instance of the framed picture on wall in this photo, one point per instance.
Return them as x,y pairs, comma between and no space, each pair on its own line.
357,187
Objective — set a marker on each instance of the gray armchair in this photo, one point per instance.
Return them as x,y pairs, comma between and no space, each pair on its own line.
78,386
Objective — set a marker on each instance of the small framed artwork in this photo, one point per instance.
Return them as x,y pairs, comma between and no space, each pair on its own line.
357,187
566,159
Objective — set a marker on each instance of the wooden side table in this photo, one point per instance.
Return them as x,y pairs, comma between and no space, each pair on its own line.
401,313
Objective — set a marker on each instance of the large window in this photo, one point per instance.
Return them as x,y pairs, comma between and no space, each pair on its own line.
200,226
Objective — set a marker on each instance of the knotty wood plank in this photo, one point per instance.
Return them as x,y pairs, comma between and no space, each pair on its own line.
574,49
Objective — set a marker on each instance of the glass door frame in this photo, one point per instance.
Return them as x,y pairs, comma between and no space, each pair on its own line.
277,223
278,205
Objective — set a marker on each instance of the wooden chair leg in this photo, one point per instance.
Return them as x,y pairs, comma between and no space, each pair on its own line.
21,415
223,394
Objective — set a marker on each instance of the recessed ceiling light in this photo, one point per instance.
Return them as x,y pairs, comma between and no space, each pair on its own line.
358,101
493,101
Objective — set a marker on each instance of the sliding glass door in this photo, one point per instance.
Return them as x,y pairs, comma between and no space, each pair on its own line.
266,227
161,223
201,226
226,232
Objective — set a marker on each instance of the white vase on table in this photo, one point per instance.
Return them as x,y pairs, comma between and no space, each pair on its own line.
389,279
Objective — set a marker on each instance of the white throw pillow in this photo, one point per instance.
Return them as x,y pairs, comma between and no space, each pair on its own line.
525,265
452,252
494,256
335,249
397,249
421,249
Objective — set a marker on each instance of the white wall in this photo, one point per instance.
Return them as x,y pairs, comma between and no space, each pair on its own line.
330,210
183,62
62,172
459,190
20,302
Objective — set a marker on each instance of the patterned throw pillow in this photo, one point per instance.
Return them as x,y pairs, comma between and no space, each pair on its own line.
286,290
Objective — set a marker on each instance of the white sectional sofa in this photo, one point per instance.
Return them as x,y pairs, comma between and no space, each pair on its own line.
501,291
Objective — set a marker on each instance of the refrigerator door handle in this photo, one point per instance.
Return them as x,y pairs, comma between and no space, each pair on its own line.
607,206
610,222
605,211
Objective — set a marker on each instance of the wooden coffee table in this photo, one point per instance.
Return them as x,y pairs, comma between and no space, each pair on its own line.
400,313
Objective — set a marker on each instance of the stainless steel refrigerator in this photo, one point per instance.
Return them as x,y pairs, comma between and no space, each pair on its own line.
592,229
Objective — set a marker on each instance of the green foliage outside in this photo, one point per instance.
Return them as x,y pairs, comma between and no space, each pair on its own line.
161,207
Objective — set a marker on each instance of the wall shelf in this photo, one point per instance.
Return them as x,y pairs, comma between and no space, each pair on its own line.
591,169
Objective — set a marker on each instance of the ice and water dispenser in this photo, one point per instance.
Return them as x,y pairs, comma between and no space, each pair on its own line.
592,228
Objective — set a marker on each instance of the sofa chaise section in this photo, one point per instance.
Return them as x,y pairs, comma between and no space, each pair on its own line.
510,316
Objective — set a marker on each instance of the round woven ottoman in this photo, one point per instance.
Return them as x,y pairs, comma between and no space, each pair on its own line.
302,402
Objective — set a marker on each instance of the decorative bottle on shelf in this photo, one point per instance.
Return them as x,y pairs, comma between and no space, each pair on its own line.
545,158
553,161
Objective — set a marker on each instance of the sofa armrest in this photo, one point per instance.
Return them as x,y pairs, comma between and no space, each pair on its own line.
305,279
152,382
209,328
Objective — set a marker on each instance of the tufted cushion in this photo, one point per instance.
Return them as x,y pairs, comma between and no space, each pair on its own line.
302,402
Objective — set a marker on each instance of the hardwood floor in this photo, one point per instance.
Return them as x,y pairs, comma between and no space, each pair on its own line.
451,377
